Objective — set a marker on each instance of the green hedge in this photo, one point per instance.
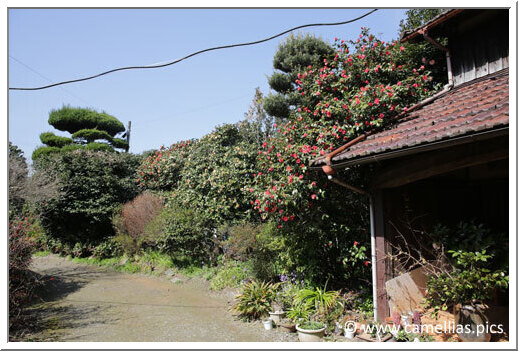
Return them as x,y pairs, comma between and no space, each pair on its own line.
72,119
92,186
50,139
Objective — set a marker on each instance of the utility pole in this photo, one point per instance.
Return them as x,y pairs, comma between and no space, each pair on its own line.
128,132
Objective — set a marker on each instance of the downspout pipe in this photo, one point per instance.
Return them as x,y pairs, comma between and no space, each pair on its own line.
373,261
429,39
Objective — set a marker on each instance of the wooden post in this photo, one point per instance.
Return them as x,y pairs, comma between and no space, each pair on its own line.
128,132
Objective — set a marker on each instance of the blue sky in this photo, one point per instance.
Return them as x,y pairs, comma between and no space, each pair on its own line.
183,101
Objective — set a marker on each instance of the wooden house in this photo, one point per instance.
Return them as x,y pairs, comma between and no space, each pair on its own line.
448,159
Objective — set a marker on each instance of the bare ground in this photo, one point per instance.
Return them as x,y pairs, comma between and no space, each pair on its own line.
90,303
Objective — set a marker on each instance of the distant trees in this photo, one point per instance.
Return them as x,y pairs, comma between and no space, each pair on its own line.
90,129
293,56
424,53
417,17
24,188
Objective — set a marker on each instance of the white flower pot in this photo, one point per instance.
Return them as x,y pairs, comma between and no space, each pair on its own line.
268,324
349,334
277,316
310,335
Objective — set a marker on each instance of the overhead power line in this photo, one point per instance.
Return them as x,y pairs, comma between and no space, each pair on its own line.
47,79
194,54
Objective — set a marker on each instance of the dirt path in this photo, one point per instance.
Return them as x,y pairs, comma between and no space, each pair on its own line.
89,303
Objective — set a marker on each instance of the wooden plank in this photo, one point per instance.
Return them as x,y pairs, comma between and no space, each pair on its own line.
406,292
433,163
481,62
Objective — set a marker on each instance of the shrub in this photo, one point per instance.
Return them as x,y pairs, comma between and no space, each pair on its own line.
185,233
257,244
72,119
50,139
20,252
231,275
18,174
255,299
131,222
162,169
355,92
241,241
81,250
107,249
92,186
470,280
317,298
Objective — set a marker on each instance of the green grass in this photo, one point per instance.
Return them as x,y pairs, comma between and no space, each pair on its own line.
193,271
41,253
153,263
231,275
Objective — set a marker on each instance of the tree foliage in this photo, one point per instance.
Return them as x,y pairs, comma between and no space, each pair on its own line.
424,53
296,53
51,139
93,185
415,18
18,174
91,135
91,129
352,93
70,119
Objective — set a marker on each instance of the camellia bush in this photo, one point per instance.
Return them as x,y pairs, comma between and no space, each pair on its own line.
212,174
162,170
360,89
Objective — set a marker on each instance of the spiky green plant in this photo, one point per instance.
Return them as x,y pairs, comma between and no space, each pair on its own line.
255,300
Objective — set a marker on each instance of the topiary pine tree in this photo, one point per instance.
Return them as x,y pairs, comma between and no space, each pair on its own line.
294,55
90,129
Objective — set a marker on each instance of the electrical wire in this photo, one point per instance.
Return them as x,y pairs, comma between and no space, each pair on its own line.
194,54
48,79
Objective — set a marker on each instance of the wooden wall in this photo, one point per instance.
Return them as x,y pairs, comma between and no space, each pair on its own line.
479,46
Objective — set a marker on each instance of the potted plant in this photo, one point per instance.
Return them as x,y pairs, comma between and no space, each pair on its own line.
277,312
464,288
255,300
310,331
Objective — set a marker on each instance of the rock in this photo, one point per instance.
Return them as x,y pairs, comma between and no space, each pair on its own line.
169,273
176,280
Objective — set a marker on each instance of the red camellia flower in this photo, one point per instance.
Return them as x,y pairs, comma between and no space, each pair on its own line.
355,243
366,263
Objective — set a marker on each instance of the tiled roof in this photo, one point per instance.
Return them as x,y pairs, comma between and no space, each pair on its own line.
474,107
